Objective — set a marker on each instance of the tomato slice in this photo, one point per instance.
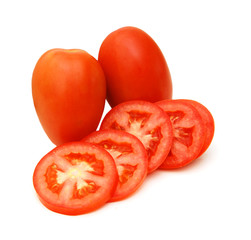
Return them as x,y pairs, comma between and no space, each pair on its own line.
188,133
75,178
148,123
129,155
208,120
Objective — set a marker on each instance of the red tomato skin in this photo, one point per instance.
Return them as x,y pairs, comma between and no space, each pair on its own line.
134,66
88,206
69,90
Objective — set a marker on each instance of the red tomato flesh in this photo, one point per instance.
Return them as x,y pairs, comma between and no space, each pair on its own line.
129,155
188,133
208,120
148,123
75,178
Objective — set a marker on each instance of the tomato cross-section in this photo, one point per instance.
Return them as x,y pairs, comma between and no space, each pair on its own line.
148,123
208,120
75,178
129,155
188,133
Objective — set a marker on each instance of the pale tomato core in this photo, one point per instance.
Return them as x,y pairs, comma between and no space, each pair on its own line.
136,122
81,165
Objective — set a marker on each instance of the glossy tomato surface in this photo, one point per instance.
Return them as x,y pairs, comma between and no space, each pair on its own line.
134,66
208,120
129,155
188,133
69,90
148,123
75,178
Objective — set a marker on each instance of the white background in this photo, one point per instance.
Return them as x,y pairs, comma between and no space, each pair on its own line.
207,45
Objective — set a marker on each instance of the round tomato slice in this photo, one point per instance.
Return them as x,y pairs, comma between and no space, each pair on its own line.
75,178
129,155
208,120
188,133
148,123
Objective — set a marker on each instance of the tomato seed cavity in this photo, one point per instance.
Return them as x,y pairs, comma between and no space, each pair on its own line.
51,179
83,188
116,149
175,116
154,141
139,117
184,135
125,171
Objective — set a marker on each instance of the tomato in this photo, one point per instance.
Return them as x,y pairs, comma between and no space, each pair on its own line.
188,133
75,178
148,123
134,66
130,157
69,91
208,121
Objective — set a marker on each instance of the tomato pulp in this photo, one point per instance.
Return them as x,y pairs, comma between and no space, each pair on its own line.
129,155
188,133
148,123
208,120
75,178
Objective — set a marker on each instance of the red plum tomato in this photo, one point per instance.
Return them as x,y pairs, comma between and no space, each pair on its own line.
134,66
69,91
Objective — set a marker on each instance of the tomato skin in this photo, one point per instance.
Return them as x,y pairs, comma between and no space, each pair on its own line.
64,201
134,66
69,90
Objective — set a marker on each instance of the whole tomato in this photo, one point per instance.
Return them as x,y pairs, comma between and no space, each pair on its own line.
134,66
69,91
